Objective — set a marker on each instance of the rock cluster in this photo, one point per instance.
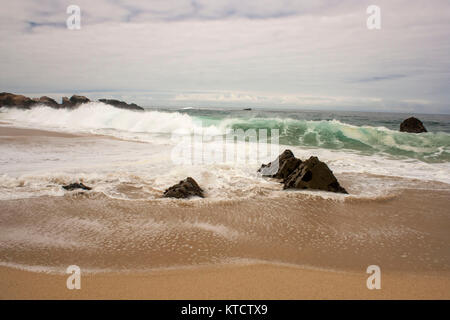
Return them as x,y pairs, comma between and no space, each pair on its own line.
15,100
297,174
22,102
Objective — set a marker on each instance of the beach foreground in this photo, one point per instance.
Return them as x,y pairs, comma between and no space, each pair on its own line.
227,282
247,240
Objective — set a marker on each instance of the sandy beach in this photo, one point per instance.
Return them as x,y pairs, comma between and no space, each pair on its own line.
288,246
6,131
237,282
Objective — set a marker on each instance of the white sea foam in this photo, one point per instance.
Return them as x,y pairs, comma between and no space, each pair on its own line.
218,229
98,117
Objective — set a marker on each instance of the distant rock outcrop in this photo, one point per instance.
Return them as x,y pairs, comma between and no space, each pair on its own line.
46,101
122,104
184,189
77,100
73,102
15,100
66,103
412,125
23,102
297,174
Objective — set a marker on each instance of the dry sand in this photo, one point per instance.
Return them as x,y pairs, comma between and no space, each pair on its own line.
228,282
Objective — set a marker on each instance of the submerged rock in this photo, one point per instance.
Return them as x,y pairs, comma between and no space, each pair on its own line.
121,104
74,186
297,174
184,189
412,125
281,167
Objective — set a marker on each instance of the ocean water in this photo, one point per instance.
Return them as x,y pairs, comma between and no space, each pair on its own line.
130,155
363,132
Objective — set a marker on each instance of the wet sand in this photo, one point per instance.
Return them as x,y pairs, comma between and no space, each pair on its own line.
407,232
237,282
6,131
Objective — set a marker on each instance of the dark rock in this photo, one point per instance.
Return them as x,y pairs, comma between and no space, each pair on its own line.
19,101
15,100
184,189
122,104
74,101
313,174
46,101
77,100
412,125
309,174
66,103
281,167
247,109
74,186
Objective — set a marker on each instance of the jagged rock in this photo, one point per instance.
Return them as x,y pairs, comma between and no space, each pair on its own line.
74,101
281,167
66,102
15,100
46,101
412,125
74,186
77,100
184,189
298,174
313,174
121,104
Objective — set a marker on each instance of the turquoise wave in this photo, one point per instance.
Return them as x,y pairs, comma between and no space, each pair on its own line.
335,135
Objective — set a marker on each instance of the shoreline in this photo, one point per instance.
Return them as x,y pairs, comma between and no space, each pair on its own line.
10,130
15,131
258,281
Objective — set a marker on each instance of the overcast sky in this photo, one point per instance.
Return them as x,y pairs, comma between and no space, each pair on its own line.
277,53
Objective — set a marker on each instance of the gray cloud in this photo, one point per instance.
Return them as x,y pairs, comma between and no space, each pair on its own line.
288,53
383,77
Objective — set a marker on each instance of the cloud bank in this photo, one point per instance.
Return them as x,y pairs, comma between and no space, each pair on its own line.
296,54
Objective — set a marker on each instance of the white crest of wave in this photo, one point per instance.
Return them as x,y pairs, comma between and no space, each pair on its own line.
97,116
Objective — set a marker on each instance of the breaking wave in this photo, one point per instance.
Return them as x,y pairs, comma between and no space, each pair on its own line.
325,134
